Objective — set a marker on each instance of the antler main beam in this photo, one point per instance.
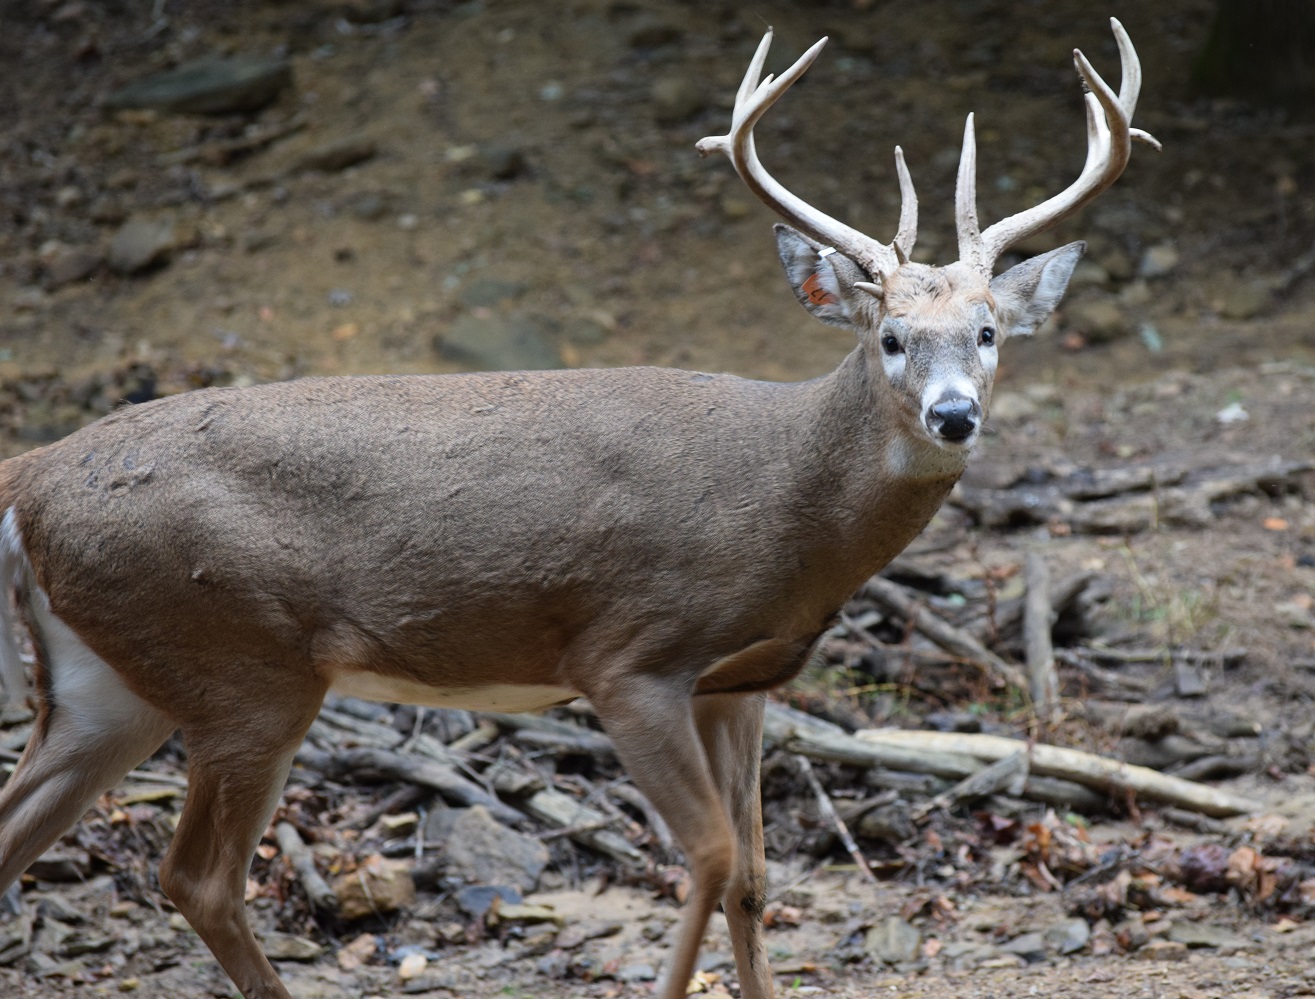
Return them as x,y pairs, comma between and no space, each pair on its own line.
1109,146
751,103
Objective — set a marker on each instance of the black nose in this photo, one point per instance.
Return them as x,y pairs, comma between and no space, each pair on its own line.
954,419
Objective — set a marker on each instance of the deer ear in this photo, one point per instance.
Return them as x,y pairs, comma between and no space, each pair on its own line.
1026,295
821,278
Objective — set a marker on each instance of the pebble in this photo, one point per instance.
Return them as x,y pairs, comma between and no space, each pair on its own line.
67,264
286,947
1069,935
1099,320
675,98
210,85
893,941
1195,935
1243,301
338,155
486,292
499,343
377,886
141,243
1031,947
1158,261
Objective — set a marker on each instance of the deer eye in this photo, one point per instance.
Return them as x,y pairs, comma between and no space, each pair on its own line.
890,344
986,337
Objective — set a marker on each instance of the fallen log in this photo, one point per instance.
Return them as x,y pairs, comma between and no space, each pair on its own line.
1071,764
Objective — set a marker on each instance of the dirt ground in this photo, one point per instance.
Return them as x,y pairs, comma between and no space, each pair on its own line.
525,191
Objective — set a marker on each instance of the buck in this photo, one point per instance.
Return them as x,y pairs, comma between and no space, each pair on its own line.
669,544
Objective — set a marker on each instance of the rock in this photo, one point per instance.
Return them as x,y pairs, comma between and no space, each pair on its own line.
369,206
1162,950
412,966
1031,947
524,912
376,886
650,31
1117,264
61,864
1068,936
476,900
584,331
636,973
357,952
1088,273
1242,301
337,155
286,947
1099,320
502,162
499,343
371,11
141,243
67,264
1009,407
675,98
733,207
211,85
1197,935
1159,260
485,292
892,941
481,849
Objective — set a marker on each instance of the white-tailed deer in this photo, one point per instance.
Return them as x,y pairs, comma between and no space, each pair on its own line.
668,544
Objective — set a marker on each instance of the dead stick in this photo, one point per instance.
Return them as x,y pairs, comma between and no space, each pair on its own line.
829,813
321,896
1038,619
954,640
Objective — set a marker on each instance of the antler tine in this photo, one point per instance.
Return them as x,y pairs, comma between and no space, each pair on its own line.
752,101
1109,146
965,200
907,234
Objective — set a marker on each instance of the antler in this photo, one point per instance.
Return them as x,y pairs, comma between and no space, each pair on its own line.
1109,145
751,103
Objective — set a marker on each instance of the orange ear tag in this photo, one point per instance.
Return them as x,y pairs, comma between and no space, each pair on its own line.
816,293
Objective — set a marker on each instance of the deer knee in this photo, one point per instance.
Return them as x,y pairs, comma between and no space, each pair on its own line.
713,864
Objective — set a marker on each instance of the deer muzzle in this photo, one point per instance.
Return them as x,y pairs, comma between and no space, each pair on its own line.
954,418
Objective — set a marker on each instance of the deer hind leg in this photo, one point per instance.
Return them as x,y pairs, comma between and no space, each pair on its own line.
731,727
237,765
91,731
651,721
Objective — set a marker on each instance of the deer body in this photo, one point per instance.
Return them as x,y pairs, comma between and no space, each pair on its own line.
669,544
468,532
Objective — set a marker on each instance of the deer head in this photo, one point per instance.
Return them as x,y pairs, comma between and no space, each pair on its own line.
931,335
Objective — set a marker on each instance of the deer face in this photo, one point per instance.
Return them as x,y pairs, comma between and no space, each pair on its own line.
931,335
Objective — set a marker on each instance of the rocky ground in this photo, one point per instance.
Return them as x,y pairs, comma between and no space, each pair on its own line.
411,185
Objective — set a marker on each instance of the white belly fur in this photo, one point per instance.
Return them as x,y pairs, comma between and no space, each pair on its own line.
495,697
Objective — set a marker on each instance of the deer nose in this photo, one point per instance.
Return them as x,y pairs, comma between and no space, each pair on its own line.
954,419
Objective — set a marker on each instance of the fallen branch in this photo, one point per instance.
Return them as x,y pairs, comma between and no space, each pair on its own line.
828,811
800,733
1038,619
379,764
583,824
956,641
1009,773
1072,764
322,897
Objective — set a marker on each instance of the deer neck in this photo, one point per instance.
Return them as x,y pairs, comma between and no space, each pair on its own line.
878,483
